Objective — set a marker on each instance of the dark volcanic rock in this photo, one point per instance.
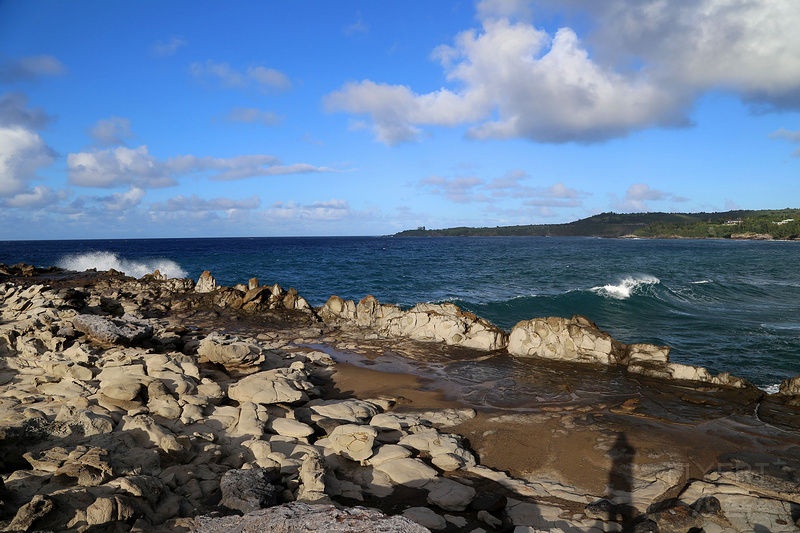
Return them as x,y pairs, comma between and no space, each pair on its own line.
299,517
126,330
248,490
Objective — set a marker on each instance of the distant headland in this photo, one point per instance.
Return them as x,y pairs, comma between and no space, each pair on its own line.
773,224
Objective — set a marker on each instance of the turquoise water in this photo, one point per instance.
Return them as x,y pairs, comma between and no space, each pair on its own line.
729,306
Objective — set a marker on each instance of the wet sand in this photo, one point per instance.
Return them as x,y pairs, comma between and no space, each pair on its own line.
576,443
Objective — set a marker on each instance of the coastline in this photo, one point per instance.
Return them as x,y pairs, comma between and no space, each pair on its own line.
549,465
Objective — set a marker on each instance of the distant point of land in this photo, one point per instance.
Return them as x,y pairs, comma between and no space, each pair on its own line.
742,224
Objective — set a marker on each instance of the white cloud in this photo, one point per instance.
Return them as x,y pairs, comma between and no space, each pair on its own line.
22,154
556,195
396,110
38,197
637,196
135,166
460,189
251,115
194,203
333,209
184,164
266,79
748,47
29,68
559,190
111,131
22,150
470,189
168,48
649,61
117,167
122,201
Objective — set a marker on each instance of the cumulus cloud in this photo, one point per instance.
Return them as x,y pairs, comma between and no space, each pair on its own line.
168,48
264,78
122,201
38,197
649,61
135,166
251,115
111,131
116,167
22,150
195,203
748,47
638,195
29,68
396,110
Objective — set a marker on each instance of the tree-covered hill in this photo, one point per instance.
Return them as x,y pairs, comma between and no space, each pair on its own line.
777,224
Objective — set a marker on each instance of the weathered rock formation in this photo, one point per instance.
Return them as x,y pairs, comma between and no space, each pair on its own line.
579,340
426,322
118,412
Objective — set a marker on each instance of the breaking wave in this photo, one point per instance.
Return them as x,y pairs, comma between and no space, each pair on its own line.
626,286
108,260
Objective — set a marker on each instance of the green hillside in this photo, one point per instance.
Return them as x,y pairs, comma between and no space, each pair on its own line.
777,224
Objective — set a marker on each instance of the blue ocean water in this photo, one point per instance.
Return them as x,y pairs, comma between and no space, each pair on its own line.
730,306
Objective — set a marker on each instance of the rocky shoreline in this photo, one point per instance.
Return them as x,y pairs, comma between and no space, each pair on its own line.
160,404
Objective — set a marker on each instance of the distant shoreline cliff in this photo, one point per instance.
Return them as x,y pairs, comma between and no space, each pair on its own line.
781,224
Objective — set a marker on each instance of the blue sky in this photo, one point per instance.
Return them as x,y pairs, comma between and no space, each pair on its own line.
188,119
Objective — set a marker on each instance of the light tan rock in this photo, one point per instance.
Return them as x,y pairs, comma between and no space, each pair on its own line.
312,480
206,283
230,352
353,442
289,427
575,339
425,517
271,386
409,472
449,495
437,444
388,452
356,411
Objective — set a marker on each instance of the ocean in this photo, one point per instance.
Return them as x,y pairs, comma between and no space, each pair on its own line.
731,306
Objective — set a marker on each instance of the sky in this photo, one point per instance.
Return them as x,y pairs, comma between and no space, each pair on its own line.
203,119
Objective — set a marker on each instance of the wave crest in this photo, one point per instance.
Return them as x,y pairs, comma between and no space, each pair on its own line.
108,260
626,286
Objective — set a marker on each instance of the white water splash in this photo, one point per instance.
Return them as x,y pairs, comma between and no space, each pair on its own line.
772,389
626,286
702,282
108,260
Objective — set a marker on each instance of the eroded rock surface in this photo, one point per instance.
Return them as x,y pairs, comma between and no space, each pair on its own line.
126,405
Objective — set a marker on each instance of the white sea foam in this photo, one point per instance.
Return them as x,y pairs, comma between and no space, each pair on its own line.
702,281
772,389
109,260
626,286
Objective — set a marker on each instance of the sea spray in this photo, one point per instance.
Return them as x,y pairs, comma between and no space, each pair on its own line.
626,286
730,306
109,260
